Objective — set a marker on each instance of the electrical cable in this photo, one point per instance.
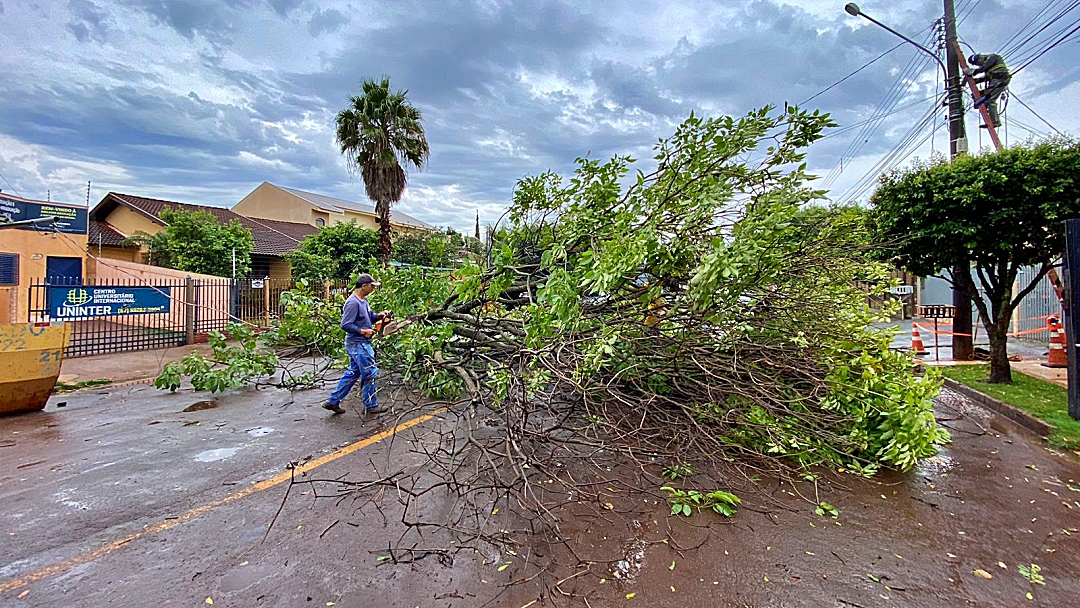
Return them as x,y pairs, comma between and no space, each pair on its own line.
898,153
1023,28
10,186
894,95
883,108
1046,122
866,65
1020,45
1052,46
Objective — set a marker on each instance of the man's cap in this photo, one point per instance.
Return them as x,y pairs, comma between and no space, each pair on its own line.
366,279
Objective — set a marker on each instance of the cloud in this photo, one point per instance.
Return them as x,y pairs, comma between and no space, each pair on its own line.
184,98
88,21
326,21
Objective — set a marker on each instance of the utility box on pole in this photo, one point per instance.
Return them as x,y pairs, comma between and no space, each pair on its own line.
1071,305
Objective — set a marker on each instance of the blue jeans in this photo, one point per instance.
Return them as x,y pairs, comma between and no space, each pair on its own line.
361,367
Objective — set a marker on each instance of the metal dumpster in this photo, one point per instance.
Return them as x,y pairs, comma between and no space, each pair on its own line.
30,356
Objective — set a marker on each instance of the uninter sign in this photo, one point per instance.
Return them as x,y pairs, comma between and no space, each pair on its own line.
84,302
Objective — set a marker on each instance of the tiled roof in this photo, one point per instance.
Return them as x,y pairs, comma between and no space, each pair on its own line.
338,205
271,237
102,233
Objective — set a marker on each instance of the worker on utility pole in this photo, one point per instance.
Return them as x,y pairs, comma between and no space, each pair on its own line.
991,70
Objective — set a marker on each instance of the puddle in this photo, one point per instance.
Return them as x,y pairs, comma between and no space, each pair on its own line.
941,464
201,405
628,568
215,455
260,431
244,577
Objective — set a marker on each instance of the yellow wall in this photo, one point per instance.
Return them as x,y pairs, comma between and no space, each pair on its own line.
33,249
127,254
128,222
272,203
362,220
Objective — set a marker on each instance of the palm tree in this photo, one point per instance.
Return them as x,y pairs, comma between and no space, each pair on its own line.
379,132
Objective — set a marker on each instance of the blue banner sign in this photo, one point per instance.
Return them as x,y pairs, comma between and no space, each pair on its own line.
69,219
81,302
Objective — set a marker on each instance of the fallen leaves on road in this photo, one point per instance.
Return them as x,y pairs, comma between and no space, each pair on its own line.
983,573
24,594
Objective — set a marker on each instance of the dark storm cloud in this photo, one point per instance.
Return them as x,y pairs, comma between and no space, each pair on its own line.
326,21
87,23
507,88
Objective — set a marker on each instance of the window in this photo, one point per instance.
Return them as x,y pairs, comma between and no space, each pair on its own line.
320,222
9,269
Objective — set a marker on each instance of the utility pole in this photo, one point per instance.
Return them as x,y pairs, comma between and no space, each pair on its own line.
963,347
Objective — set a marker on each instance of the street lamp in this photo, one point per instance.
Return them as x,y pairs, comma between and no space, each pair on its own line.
853,10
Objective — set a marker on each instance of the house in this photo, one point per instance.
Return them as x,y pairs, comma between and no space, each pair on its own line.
33,255
272,202
120,216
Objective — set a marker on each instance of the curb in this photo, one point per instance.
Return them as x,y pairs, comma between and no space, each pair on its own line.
1019,416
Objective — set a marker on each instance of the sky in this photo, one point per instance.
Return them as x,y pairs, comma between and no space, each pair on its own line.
201,101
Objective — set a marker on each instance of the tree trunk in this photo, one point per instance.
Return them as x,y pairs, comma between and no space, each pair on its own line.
382,209
1000,370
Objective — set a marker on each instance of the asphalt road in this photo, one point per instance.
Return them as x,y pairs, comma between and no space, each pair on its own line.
122,498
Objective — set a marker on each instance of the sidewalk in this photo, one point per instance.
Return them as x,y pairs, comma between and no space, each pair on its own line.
125,367
1031,353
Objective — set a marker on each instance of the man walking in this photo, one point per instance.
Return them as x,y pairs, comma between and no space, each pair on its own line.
358,320
992,70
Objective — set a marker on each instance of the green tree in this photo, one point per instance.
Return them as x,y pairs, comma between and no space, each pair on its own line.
1002,211
429,248
195,241
378,133
335,252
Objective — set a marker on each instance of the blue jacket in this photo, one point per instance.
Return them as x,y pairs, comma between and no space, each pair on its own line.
357,315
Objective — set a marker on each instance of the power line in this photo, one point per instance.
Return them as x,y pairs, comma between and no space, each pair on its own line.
852,126
1017,47
893,97
1047,49
1046,122
970,10
1023,28
9,185
898,154
833,85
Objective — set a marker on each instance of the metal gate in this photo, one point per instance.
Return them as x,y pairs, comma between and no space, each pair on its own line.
1036,306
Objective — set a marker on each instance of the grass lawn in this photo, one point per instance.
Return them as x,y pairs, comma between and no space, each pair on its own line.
1046,401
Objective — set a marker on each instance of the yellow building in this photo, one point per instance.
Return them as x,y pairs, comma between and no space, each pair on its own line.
32,255
273,202
118,217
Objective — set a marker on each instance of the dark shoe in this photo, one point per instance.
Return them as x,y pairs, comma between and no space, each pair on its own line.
378,409
333,407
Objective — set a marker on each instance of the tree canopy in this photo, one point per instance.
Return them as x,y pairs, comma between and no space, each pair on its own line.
999,212
195,241
338,252
694,309
379,132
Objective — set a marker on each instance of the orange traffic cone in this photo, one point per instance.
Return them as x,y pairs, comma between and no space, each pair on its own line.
1057,356
916,341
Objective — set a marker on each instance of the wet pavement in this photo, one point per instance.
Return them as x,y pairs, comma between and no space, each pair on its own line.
122,497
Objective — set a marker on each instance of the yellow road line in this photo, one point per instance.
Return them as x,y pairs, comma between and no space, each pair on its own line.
170,523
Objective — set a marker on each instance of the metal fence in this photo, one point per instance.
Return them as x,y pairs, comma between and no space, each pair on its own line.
109,316
1036,306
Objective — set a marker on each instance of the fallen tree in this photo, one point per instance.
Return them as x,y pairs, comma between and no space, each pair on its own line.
690,312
